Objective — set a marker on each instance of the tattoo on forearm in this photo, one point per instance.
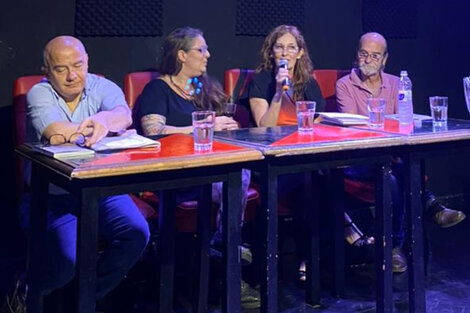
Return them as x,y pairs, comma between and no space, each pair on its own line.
153,124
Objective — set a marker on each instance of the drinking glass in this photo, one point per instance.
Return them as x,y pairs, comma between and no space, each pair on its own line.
438,107
466,89
305,116
376,109
203,130
229,109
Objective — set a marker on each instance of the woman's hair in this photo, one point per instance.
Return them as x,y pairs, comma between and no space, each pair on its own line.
212,95
303,66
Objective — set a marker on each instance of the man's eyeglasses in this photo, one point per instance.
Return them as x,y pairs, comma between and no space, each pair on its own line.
59,139
364,55
290,49
202,49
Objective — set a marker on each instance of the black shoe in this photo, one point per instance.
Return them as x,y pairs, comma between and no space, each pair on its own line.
251,298
444,216
399,263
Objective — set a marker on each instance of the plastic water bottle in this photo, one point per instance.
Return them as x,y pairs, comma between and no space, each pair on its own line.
405,99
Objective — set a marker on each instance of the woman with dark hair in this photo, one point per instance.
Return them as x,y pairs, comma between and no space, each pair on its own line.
166,104
284,76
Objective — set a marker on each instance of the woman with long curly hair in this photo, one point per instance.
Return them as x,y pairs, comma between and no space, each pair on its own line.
271,104
284,76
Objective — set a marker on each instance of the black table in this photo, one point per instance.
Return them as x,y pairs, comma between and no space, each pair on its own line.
329,147
174,166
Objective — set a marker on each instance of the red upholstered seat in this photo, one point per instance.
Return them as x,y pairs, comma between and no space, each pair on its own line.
326,80
186,217
134,84
235,85
21,87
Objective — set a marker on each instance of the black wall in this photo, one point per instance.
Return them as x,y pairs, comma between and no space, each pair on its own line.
436,57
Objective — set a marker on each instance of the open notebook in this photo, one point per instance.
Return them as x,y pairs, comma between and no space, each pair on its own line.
344,119
128,140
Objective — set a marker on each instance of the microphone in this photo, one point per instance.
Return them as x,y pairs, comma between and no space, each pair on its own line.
285,84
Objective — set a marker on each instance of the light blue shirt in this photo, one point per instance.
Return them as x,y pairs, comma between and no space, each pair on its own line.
46,106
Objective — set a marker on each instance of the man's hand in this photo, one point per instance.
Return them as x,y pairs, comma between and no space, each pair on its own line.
94,128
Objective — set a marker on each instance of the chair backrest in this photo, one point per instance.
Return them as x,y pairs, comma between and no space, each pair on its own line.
134,84
326,80
21,87
236,82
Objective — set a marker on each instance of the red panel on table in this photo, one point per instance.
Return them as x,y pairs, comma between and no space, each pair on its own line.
176,145
325,133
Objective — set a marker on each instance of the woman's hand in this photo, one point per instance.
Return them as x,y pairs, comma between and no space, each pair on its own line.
225,123
282,74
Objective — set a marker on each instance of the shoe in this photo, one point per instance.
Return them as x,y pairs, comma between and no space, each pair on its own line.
250,297
246,255
16,303
399,263
445,217
303,272
355,237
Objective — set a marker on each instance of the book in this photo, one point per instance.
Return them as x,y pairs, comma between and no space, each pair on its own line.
64,151
344,119
128,140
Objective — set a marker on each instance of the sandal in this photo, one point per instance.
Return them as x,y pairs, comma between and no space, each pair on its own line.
355,237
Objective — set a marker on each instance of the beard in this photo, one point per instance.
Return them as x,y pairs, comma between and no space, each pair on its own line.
369,69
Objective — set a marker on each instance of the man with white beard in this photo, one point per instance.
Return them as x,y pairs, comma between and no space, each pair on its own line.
368,80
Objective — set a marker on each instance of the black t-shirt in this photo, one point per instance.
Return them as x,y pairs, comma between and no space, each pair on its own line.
263,85
159,98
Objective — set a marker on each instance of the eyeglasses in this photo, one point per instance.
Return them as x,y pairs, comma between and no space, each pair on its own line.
364,55
202,49
290,49
59,139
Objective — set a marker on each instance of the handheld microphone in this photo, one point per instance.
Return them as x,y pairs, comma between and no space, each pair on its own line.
285,83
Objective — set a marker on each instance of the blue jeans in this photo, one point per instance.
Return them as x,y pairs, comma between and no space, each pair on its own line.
120,224
366,173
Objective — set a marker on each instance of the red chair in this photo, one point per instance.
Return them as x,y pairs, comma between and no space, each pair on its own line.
186,217
134,84
21,87
235,85
326,80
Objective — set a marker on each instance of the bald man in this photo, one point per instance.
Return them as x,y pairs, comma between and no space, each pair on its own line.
71,101
368,80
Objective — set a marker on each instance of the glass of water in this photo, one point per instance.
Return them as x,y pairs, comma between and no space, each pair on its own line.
466,89
438,107
203,130
376,109
305,116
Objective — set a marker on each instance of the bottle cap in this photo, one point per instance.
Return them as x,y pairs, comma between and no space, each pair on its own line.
403,73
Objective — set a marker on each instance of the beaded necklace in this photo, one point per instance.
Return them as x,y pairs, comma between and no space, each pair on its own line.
183,92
